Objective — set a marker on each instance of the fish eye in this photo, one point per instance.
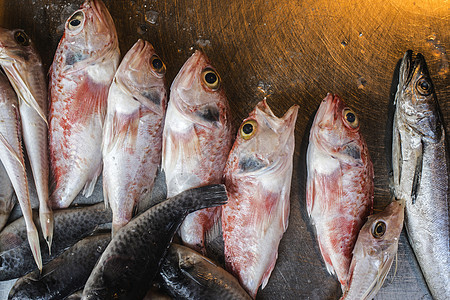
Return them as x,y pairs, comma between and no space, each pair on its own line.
350,118
22,38
157,64
379,229
248,129
211,78
423,86
76,20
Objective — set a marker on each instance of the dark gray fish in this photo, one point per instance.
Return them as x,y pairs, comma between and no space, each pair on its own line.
71,225
131,261
75,296
63,275
7,199
189,275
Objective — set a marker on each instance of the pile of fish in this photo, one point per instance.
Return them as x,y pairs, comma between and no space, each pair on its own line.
173,169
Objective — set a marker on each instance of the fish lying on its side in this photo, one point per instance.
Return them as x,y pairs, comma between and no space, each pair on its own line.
339,191
132,134
83,67
196,140
374,252
420,166
130,262
258,179
7,199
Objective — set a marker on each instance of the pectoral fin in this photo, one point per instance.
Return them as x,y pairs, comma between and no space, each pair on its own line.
417,175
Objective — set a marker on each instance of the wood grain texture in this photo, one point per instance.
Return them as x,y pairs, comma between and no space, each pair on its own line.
292,52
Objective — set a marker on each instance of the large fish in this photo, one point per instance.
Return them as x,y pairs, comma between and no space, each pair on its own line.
339,193
82,70
258,179
11,155
196,140
130,262
7,199
132,136
374,252
420,167
23,66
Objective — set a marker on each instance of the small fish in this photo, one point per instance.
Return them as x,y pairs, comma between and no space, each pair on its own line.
7,199
131,261
258,179
82,71
339,189
132,136
189,275
420,168
196,140
23,66
65,274
11,155
374,252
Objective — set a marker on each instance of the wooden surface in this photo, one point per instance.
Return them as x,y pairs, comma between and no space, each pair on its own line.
290,52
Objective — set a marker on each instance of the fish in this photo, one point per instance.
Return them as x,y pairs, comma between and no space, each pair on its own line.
187,274
65,274
258,177
196,140
71,225
23,66
132,134
374,252
11,156
340,183
7,199
131,261
420,163
79,79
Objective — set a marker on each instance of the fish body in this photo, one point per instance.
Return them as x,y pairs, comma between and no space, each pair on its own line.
374,252
258,179
189,275
339,194
420,168
7,199
132,138
196,140
130,262
83,67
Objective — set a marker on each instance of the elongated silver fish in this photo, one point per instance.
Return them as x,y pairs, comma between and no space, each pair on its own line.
7,199
420,164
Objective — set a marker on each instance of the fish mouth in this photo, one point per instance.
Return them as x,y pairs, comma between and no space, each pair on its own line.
187,74
411,66
101,13
327,113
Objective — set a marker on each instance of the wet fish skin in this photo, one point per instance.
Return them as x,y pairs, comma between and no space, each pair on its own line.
374,252
7,199
132,258
258,179
420,168
83,68
65,274
189,275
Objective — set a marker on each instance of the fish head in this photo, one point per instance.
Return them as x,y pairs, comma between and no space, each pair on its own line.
16,47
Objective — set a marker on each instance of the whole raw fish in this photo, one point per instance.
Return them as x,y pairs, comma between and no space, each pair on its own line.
11,155
258,179
339,191
82,70
132,136
374,252
420,167
7,199
196,140
23,66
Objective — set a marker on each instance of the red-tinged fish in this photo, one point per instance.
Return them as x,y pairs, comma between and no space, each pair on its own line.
11,155
258,180
339,193
196,140
23,66
132,136
80,76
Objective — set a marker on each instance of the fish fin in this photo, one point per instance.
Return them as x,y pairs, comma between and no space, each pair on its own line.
33,240
157,195
93,100
417,175
310,192
326,258
396,265
266,275
214,243
105,195
11,150
396,158
90,183
120,128
375,286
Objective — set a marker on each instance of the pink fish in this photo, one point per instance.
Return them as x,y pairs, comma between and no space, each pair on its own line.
82,70
132,136
258,180
339,191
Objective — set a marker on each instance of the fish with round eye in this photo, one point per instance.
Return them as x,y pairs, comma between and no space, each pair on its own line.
158,65
76,20
22,38
211,79
248,129
424,86
379,229
350,118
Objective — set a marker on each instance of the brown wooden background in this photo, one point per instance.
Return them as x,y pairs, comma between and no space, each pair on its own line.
291,52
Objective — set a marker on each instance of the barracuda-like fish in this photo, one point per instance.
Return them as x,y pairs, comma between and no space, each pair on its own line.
132,136
80,76
7,199
23,66
339,191
11,155
258,179
189,275
196,140
420,167
374,252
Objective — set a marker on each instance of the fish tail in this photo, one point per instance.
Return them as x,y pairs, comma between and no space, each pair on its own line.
33,240
203,197
46,219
